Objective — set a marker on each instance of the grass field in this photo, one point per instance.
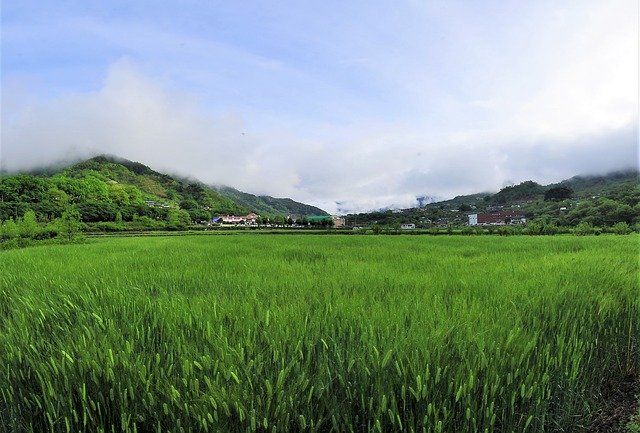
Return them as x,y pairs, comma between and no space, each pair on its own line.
315,333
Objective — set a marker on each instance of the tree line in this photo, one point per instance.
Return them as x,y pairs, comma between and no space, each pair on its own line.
24,230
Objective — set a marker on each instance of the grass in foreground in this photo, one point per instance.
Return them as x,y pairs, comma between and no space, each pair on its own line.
315,333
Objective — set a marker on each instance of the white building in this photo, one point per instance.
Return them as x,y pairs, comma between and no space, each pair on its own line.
337,221
249,219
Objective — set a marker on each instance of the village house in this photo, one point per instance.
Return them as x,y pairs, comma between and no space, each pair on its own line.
249,219
407,226
337,221
496,218
152,203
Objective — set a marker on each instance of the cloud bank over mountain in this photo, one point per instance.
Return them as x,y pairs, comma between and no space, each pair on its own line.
468,105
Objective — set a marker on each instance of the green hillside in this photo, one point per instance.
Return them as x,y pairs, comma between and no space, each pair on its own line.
601,201
613,183
107,188
265,204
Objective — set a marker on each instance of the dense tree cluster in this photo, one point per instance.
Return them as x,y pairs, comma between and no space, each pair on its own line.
523,191
23,230
100,190
558,193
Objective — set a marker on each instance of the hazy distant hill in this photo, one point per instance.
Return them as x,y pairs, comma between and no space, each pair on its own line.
598,200
267,204
582,187
104,186
586,186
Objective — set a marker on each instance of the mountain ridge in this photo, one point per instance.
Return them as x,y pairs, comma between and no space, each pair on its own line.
105,185
601,200
584,183
267,203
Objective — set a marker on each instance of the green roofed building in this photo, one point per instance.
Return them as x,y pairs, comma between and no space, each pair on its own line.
331,220
318,218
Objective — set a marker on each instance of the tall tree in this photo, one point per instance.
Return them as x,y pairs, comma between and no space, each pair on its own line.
28,225
178,219
70,224
9,230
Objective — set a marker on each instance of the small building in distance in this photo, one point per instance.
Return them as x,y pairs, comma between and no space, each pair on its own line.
249,219
325,220
338,221
153,203
407,226
496,218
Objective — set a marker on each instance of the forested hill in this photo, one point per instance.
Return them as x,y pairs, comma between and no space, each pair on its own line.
105,186
265,204
597,200
613,183
616,185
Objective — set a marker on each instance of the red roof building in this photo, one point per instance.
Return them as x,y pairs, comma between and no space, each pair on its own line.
496,218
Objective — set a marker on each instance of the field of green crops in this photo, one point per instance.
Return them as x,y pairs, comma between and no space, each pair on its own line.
315,333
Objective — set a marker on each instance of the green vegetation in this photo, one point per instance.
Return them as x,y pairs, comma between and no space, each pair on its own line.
69,225
558,193
103,187
601,201
634,423
266,205
524,191
316,333
113,194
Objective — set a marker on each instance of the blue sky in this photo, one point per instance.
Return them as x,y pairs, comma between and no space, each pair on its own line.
347,105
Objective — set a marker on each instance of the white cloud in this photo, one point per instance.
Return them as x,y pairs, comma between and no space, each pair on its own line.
591,77
550,94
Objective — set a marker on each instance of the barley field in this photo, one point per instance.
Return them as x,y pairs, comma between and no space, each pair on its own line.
315,333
